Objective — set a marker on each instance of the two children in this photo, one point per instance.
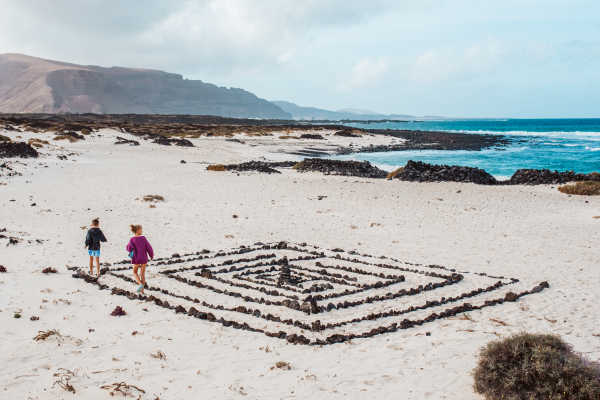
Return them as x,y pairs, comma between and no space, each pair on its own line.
92,244
138,247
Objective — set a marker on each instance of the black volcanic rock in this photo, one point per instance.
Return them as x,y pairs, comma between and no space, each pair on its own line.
17,149
362,169
418,171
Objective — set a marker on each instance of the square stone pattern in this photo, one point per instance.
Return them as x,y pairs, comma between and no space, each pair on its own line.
286,290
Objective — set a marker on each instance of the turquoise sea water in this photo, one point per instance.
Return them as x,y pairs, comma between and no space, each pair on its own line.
556,144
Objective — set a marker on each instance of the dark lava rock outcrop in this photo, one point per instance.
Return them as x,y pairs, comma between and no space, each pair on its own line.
418,171
362,169
547,177
260,166
17,149
165,141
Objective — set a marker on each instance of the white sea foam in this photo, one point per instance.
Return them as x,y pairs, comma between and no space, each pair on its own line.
592,148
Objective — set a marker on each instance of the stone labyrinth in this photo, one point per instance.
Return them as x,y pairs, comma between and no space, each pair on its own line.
310,296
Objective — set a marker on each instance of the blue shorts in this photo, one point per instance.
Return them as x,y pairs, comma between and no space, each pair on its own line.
94,253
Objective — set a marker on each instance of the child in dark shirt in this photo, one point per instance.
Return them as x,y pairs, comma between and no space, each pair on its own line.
92,244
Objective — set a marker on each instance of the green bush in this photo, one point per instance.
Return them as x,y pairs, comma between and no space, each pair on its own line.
298,165
4,139
85,131
535,366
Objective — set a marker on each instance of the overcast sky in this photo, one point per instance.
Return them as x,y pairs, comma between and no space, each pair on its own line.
460,58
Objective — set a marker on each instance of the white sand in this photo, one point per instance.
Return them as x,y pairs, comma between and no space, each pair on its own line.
534,234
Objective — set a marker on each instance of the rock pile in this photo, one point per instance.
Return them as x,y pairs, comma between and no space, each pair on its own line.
418,171
311,136
362,169
260,166
165,141
121,140
17,149
547,177
345,133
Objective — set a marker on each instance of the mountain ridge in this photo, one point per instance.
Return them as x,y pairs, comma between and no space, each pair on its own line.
35,85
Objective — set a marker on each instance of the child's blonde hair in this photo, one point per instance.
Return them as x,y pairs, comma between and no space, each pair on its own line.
135,228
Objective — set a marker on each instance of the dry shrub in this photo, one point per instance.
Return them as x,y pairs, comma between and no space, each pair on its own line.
289,137
65,137
85,132
583,188
282,365
394,173
535,366
5,139
153,198
159,354
217,167
123,388
298,165
43,335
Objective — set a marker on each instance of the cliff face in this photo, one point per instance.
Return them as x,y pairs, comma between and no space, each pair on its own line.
34,85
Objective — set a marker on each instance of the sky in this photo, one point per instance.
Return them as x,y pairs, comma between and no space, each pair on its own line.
455,58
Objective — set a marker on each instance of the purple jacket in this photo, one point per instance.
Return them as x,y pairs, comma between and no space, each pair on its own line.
141,248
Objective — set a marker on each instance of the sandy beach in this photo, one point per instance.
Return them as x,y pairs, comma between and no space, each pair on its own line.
533,234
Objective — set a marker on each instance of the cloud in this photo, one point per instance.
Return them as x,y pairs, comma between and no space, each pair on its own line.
217,36
364,74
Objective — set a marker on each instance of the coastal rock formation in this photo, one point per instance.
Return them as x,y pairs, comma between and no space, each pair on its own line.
362,169
260,166
31,84
547,177
418,171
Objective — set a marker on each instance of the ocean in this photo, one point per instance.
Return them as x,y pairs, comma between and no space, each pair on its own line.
556,144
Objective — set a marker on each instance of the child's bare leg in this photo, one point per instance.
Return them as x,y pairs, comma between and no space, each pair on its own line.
135,274
91,265
97,265
143,276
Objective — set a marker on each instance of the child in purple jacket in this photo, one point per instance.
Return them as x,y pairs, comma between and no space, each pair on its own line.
141,250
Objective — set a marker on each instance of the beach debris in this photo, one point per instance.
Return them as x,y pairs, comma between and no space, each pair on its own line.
49,270
64,378
152,198
17,315
282,365
118,311
3,269
43,335
34,318
159,355
183,162
17,149
235,216
123,388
